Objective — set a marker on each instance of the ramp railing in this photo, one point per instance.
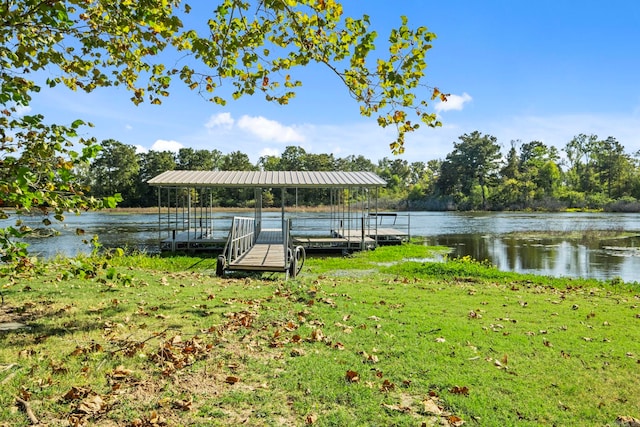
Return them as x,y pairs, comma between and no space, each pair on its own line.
241,238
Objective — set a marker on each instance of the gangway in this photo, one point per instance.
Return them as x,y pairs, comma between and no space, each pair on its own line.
251,248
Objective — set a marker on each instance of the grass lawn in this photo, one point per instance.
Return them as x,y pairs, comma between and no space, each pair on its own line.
371,339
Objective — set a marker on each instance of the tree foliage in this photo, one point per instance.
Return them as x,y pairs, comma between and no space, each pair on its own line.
259,45
474,161
529,176
114,170
146,46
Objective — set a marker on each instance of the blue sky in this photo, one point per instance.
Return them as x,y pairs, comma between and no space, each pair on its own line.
518,70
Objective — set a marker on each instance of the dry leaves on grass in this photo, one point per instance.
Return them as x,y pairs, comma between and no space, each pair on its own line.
352,376
90,407
311,419
232,380
154,419
430,407
460,390
627,421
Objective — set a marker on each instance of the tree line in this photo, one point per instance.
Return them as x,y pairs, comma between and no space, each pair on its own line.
588,173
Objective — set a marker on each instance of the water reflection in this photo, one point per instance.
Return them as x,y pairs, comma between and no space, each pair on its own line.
603,260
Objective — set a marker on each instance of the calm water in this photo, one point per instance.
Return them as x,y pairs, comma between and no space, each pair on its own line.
479,235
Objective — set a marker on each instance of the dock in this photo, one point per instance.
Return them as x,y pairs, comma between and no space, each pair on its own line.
266,254
334,244
187,221
251,248
192,241
381,236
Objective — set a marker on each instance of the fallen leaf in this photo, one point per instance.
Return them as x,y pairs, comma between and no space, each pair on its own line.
460,390
330,302
387,386
76,393
369,358
311,419
25,394
317,335
183,405
91,405
231,380
297,352
431,407
121,372
352,376
455,421
290,327
626,421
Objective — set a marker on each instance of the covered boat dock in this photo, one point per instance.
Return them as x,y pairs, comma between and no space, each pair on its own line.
187,220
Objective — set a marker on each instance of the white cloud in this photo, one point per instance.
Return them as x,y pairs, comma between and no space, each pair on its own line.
269,130
128,127
222,120
140,149
164,145
454,102
21,110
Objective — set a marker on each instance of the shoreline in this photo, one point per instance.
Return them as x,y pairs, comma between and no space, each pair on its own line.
222,209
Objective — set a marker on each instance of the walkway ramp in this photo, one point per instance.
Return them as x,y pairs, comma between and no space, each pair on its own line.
269,249
266,254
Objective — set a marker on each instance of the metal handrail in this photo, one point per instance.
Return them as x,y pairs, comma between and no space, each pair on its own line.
286,236
241,237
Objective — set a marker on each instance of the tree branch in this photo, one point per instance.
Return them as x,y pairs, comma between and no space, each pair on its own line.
27,408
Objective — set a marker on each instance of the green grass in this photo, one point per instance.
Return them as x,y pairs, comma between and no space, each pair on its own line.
370,339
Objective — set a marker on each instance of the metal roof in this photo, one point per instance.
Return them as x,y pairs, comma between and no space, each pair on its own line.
291,179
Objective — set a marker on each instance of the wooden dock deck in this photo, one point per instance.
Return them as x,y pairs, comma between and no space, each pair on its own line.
192,241
333,243
269,246
381,235
266,254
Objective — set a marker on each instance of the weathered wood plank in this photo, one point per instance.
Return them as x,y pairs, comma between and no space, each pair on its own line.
267,253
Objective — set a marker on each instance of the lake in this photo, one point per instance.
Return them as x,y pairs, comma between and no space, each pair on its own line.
542,245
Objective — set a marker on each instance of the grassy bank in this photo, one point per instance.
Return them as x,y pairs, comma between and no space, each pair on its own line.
373,339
